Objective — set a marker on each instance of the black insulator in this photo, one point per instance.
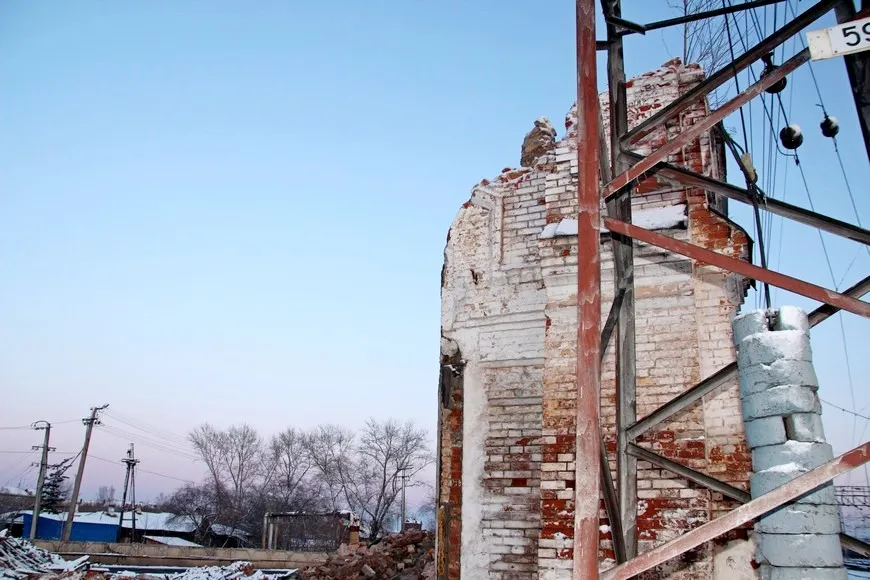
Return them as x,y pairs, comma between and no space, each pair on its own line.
791,137
769,67
830,126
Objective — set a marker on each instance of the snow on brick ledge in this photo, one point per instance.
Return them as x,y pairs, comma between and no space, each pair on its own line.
658,218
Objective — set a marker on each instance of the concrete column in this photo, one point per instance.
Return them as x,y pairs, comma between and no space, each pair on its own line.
782,415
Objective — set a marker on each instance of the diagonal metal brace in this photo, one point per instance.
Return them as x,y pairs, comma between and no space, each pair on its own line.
685,177
661,154
747,512
740,267
727,373
689,473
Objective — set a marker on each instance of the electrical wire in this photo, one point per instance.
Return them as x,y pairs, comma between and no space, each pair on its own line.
146,434
857,415
127,436
32,451
162,443
30,427
147,427
152,445
22,474
785,116
141,470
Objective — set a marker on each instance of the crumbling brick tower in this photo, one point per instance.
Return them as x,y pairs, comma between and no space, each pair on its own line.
507,388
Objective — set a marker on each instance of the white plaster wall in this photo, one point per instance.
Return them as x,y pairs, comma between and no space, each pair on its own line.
475,553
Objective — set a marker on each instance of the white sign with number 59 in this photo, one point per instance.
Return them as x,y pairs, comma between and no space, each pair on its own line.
838,40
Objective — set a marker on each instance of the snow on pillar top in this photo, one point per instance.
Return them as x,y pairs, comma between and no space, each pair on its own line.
787,318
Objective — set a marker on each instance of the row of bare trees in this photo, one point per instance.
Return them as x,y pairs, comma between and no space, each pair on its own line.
328,468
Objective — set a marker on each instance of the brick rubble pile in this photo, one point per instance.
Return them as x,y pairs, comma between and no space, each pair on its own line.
21,560
406,556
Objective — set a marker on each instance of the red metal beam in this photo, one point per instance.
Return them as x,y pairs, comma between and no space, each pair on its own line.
686,137
587,460
749,511
749,270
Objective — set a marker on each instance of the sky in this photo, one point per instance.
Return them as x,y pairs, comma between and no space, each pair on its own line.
236,212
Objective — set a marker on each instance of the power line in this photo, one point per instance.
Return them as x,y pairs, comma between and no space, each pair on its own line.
29,427
55,452
148,427
858,415
166,476
164,443
21,474
166,448
145,470
833,139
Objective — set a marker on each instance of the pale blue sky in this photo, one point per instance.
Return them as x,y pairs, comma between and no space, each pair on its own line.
232,211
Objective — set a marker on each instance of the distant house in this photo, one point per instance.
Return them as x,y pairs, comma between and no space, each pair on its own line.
14,498
103,526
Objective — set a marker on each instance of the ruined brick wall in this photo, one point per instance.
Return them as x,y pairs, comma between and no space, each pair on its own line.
506,453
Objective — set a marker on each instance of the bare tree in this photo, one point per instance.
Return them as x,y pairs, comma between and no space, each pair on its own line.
234,458
195,505
288,469
386,451
704,41
330,450
105,495
327,468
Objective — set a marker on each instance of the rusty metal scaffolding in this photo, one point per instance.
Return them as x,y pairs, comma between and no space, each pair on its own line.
611,175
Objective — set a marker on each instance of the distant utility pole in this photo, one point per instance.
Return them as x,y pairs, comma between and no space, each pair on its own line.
129,479
43,465
404,478
73,501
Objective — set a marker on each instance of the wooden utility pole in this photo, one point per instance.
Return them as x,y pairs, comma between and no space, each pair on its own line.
133,496
131,462
73,501
404,478
43,465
